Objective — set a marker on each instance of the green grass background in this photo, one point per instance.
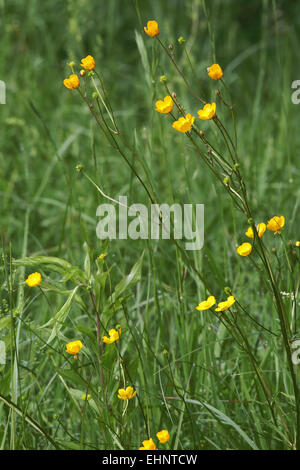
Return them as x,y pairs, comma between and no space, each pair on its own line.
45,131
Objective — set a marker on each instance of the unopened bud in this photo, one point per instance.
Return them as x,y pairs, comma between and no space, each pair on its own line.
226,180
171,47
174,95
163,78
181,40
79,168
227,290
82,72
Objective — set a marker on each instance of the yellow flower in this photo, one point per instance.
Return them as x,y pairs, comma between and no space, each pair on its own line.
72,64
164,106
276,224
163,436
34,280
215,72
206,304
184,124
152,28
114,335
102,256
297,244
88,63
74,348
244,249
225,305
261,228
148,445
86,397
72,82
126,394
208,111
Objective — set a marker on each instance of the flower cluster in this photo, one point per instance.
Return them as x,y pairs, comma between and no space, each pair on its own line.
87,63
275,225
210,302
148,444
184,123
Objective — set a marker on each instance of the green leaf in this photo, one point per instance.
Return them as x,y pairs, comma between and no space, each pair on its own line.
4,323
60,317
127,283
2,353
53,264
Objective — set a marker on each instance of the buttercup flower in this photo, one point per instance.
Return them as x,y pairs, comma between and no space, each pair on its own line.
74,348
164,106
102,256
215,72
152,28
276,224
163,436
88,63
297,244
126,394
261,228
148,445
85,397
114,335
225,305
184,124
34,280
244,249
206,304
208,111
72,82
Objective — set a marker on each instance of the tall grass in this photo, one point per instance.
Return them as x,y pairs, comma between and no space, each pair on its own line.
215,382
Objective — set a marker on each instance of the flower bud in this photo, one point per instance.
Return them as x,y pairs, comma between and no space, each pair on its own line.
82,72
163,79
227,290
79,168
226,180
181,40
174,95
95,95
